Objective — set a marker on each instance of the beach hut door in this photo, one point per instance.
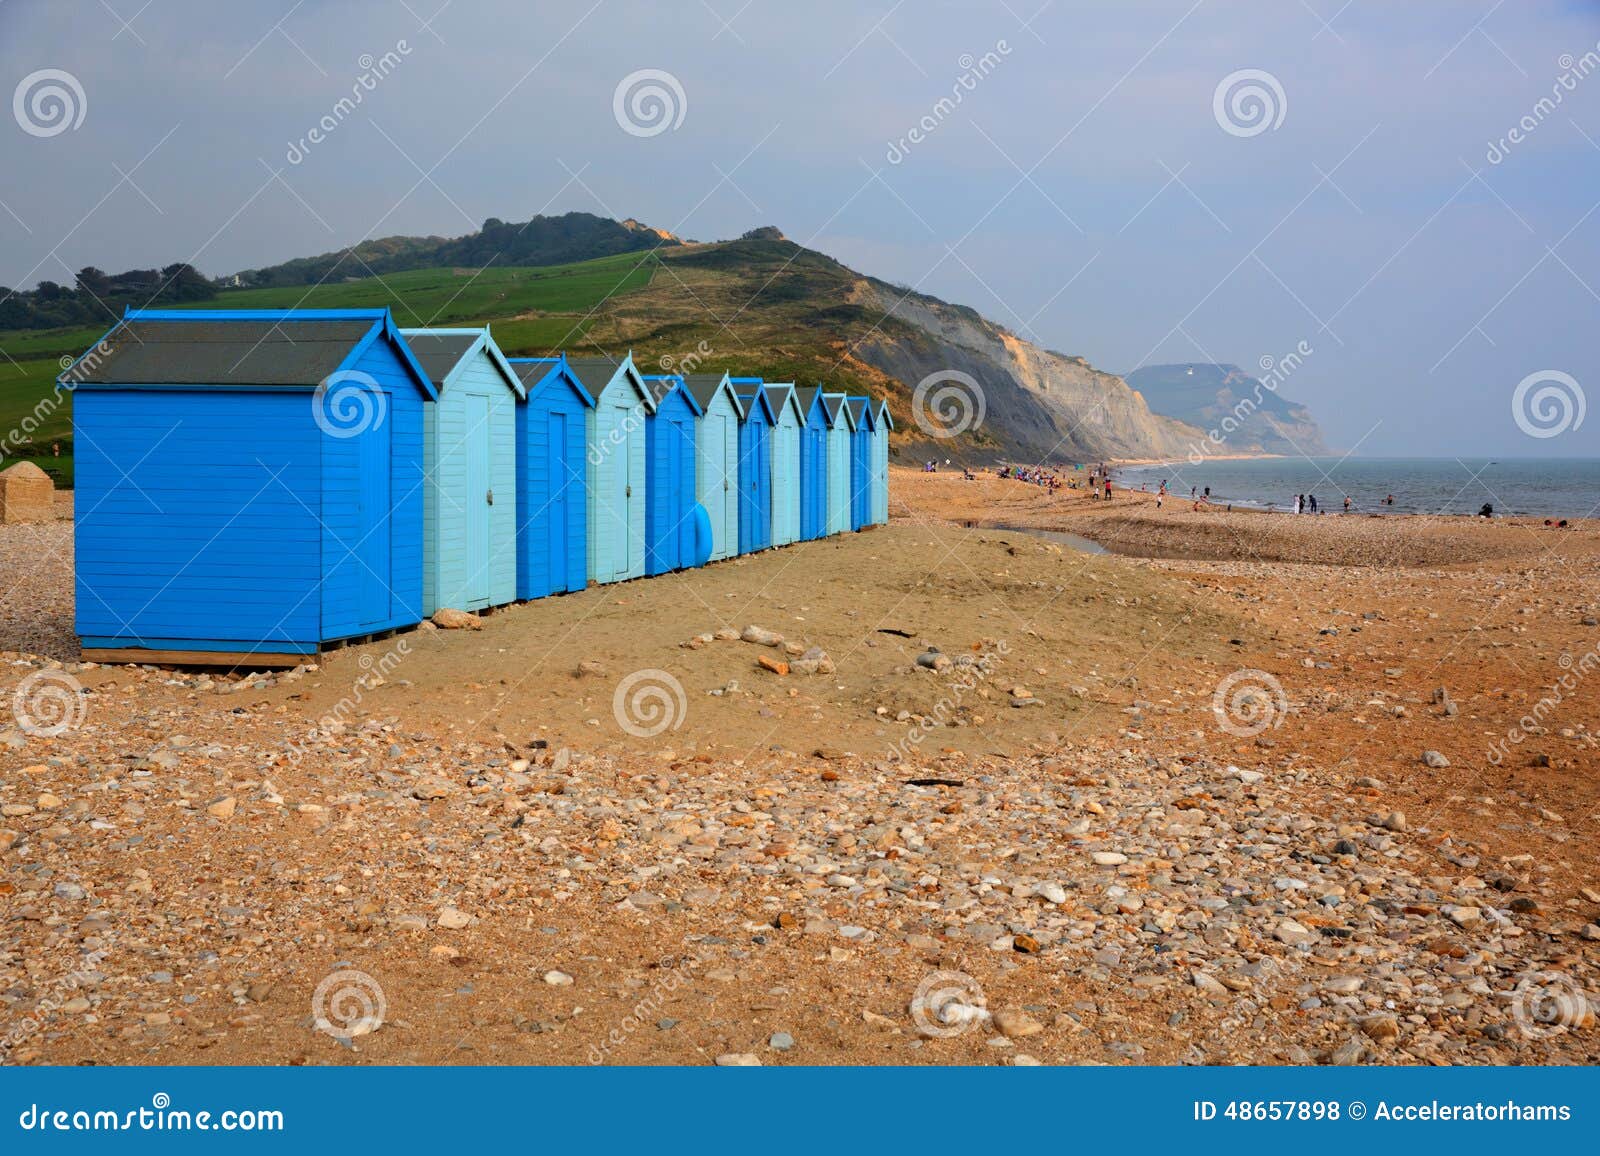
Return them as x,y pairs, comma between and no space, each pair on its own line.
479,499
560,477
373,534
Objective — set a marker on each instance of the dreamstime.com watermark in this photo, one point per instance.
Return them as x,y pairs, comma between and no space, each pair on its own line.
1274,373
1249,102
948,403
160,1116
971,675
348,403
348,1004
1573,70
373,71
52,1002
1248,702
1548,403
948,1004
973,71
374,673
73,372
667,976
648,703
1573,674
686,363
49,703
649,102
49,102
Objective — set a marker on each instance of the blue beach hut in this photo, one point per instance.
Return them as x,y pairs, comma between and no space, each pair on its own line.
616,453
669,530
880,464
716,469
755,466
841,433
785,464
813,462
861,471
469,519
552,479
249,484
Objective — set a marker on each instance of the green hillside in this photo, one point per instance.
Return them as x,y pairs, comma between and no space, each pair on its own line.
532,310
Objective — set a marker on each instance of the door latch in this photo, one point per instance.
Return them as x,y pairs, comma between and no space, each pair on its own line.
491,497
629,491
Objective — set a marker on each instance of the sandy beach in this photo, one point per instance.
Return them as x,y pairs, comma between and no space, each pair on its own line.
1250,788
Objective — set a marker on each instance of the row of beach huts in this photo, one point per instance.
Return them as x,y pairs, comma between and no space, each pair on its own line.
254,485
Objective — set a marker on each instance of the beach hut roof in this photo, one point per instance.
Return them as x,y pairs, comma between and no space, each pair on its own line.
538,373
838,409
704,387
662,384
281,348
782,394
597,374
441,352
884,416
750,392
806,395
863,413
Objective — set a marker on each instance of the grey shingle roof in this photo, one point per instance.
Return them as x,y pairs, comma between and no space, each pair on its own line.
806,395
438,353
703,386
282,353
595,372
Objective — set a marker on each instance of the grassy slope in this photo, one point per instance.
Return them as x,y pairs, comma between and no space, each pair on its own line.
760,308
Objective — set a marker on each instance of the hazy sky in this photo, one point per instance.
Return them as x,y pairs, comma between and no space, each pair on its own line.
1087,190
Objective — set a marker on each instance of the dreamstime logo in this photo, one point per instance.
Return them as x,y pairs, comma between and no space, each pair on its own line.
49,703
648,702
373,70
649,102
973,70
1547,1003
1548,403
1248,702
689,362
948,403
348,403
348,1004
1572,71
49,102
1565,687
947,1004
1249,102
1274,372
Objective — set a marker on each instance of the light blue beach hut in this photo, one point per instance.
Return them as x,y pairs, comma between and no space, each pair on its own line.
880,464
755,466
866,421
785,463
669,522
249,484
841,432
552,478
813,462
716,471
617,471
469,501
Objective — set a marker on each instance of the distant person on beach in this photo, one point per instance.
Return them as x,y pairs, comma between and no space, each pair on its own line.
1313,501
1299,503
1208,493
1487,511
1108,489
1347,503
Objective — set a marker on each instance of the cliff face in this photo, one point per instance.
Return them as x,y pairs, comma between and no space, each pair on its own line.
1038,405
1250,413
